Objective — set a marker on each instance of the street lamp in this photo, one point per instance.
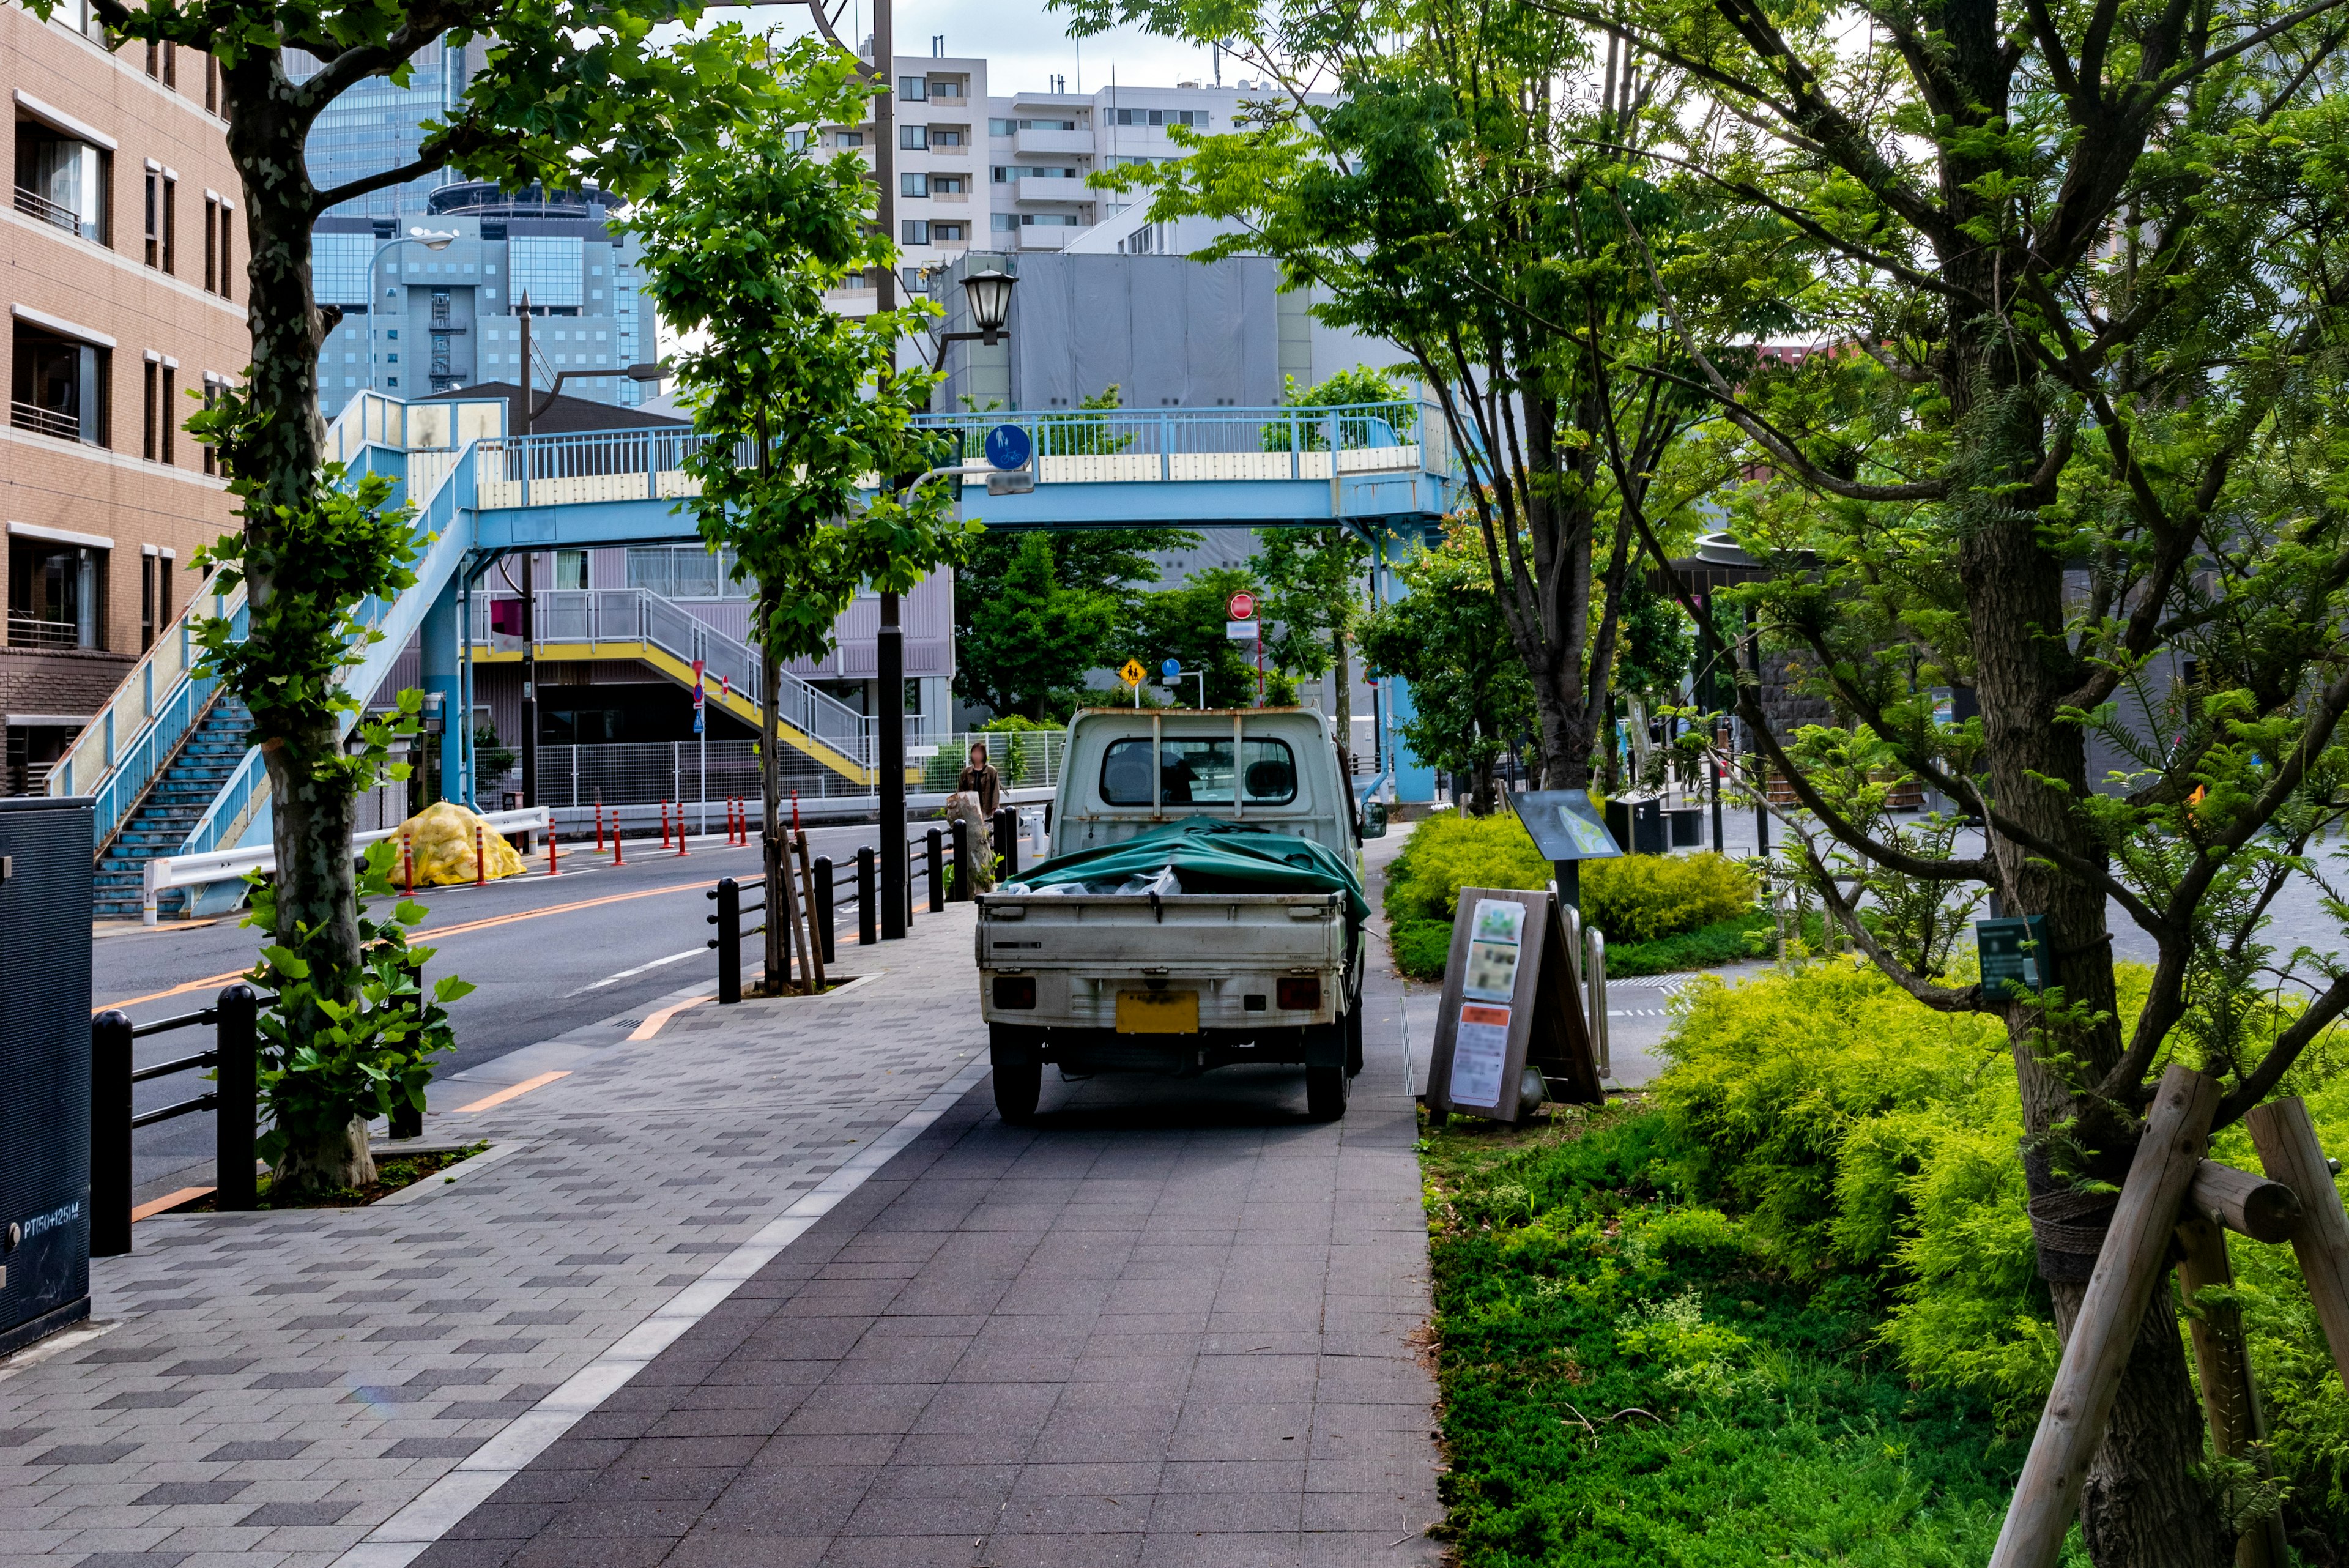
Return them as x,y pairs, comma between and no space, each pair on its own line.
431,240
989,294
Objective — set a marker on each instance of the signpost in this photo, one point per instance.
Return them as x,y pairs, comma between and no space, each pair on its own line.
1008,447
701,739
1243,626
1568,830
1172,672
1132,675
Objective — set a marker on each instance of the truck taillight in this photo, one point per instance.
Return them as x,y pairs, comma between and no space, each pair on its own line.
1296,995
1014,991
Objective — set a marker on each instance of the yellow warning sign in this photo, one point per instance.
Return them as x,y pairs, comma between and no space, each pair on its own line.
1132,672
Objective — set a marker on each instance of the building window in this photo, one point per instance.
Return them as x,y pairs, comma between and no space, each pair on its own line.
213,385
848,138
998,127
154,59
571,568
227,250
944,138
162,221
171,225
171,66
212,84
55,594
913,184
913,90
154,591
62,180
160,427
943,232
1003,223
212,243
915,232
57,386
914,138
949,185
146,437
1197,116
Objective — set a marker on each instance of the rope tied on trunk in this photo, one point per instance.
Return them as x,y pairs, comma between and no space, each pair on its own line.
2067,1224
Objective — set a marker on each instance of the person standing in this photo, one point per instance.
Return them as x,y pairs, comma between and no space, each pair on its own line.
981,782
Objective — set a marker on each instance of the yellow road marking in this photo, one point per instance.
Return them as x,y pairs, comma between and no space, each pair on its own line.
653,1021
512,1092
168,1200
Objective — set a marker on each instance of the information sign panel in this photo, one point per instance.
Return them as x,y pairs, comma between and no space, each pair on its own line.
1565,826
1510,1000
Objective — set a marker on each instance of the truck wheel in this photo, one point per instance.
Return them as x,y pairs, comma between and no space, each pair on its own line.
1354,1039
1325,1092
1017,1084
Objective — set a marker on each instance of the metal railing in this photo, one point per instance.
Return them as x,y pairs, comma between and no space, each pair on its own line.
32,205
592,616
32,631
54,422
235,1062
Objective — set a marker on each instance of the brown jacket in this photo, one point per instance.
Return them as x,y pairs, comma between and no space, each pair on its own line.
984,785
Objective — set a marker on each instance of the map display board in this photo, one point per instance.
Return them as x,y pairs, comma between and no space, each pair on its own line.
1510,1000
1565,826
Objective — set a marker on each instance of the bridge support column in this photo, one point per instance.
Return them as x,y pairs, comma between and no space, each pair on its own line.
440,671
1415,781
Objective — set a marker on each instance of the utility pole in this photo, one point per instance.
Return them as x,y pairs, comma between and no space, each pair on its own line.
889,652
529,598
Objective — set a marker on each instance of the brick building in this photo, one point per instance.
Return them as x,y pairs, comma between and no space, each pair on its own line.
121,263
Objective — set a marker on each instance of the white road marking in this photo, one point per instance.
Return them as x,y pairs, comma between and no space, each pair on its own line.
627,973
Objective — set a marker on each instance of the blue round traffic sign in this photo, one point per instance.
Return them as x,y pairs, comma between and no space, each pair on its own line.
1171,668
1008,447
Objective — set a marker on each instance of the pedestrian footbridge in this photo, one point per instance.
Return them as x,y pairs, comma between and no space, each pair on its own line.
481,492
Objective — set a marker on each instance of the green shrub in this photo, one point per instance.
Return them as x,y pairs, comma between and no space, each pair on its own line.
1646,897
1862,1138
1636,900
1629,1379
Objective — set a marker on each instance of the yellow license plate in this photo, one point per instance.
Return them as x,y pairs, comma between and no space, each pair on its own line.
1158,1013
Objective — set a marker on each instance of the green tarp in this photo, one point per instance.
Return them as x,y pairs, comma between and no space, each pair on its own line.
1206,854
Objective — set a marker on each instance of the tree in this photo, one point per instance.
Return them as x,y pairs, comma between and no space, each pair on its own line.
1187,622
1313,576
1446,636
571,91
793,404
1460,200
1028,637
2082,267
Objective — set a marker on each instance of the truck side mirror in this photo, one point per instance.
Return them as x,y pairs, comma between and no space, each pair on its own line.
1374,819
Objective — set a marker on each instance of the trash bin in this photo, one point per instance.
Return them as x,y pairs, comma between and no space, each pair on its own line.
44,941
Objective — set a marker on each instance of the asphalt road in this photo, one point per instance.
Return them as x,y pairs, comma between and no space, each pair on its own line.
546,954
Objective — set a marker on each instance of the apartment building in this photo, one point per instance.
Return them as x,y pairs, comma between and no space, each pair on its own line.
433,302
123,257
1006,171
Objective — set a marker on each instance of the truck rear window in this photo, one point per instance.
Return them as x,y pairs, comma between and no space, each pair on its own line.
1199,772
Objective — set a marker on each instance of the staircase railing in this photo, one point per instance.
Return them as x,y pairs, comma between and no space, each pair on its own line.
126,743
591,615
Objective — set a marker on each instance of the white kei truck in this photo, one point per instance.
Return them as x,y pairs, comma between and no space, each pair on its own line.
1131,974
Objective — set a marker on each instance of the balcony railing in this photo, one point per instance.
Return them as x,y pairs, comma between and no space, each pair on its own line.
44,421
30,632
32,205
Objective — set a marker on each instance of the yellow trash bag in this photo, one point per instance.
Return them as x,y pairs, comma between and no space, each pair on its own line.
440,840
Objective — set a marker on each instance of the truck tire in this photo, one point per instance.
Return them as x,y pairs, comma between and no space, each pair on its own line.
1017,1085
1325,1092
1354,1039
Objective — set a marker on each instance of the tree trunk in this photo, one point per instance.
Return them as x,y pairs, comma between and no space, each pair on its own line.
1480,802
2144,1506
312,809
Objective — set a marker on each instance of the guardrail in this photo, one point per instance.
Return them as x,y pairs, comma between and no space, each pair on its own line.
166,872
234,1058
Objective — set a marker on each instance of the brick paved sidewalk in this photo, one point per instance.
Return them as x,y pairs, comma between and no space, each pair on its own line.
1173,1324
266,1389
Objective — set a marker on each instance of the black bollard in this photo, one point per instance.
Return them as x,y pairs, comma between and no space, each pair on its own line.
961,891
237,1045
823,914
110,1135
728,939
868,899
935,842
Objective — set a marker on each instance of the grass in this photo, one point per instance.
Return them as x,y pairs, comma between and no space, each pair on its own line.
391,1176
1421,946
1626,1380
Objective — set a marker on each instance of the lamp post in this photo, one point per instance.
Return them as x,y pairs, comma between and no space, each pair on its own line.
988,294
431,240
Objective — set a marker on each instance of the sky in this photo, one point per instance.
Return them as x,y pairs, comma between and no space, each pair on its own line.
1025,44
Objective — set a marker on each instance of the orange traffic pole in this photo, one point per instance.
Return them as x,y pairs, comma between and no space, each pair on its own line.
617,857
408,863
552,835
680,827
664,811
481,858
599,827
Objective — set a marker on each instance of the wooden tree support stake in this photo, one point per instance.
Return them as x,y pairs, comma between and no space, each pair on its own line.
2246,1204
2228,1398
2290,1153
2134,1256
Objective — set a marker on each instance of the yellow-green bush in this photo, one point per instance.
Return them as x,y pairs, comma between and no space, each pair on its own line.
1637,898
1646,897
1858,1134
